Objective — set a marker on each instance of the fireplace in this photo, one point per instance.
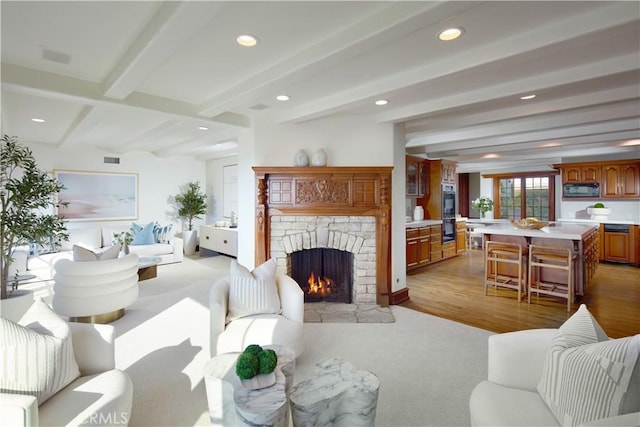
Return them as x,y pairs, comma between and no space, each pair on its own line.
342,208
324,274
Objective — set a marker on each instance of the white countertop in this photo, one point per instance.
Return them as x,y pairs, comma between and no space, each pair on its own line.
600,221
423,223
555,230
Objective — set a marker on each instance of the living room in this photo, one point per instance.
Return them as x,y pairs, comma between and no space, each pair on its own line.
138,88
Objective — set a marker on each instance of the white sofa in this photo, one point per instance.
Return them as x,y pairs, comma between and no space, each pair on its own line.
101,396
99,238
262,329
509,396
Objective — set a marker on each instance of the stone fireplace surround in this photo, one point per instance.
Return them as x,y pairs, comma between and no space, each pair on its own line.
297,206
354,234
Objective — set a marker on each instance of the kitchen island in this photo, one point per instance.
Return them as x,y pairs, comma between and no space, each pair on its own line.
582,239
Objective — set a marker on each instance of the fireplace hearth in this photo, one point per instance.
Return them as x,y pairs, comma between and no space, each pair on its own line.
324,274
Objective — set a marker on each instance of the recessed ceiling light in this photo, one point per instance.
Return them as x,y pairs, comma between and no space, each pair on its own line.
382,102
527,97
630,143
283,97
490,156
551,144
450,33
246,40
37,120
203,128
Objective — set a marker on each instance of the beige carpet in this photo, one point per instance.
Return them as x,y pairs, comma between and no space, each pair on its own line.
427,366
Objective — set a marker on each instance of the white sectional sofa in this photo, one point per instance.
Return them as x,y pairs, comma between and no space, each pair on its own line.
98,238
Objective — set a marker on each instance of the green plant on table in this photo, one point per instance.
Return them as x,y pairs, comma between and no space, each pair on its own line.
255,360
482,205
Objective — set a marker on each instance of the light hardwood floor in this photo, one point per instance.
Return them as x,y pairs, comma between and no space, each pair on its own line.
454,289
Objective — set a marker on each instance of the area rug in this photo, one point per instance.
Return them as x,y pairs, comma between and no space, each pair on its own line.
330,312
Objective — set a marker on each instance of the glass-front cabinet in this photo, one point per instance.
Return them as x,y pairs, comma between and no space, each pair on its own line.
416,177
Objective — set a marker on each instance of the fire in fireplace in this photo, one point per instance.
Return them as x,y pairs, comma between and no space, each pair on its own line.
324,274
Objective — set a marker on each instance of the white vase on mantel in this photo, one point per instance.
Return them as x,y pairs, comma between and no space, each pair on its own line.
319,158
301,158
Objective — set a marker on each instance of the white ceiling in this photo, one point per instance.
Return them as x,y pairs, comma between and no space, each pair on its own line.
128,75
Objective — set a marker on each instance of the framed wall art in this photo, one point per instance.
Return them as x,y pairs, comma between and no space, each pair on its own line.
97,196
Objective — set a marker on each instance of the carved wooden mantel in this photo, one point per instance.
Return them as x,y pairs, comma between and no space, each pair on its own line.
317,191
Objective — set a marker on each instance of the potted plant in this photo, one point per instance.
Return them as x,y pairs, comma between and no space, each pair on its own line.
124,239
482,205
191,203
26,192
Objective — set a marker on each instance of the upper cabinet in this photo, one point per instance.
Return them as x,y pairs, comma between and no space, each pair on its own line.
620,181
449,175
581,174
617,179
416,177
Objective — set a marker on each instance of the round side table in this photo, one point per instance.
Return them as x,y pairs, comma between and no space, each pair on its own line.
231,404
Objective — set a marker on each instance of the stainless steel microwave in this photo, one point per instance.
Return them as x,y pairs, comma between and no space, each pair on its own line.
581,190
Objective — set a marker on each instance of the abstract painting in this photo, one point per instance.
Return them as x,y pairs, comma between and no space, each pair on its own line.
97,196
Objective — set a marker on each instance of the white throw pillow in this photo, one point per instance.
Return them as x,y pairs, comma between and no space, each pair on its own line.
580,358
36,354
253,292
83,254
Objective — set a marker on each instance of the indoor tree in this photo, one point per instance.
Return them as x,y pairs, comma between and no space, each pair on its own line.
191,203
26,194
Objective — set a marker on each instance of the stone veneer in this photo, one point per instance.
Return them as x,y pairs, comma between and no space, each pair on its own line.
355,234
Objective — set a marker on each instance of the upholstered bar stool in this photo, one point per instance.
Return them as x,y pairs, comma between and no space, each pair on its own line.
499,256
553,259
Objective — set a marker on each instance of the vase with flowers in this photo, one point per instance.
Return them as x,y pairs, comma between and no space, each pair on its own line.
482,205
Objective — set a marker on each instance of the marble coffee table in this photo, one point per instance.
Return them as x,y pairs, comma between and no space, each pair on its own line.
337,395
230,404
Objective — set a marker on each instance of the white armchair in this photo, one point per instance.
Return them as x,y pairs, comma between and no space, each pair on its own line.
509,396
96,291
101,396
262,329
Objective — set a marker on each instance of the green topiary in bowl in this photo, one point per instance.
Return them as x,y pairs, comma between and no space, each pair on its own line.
255,360
599,205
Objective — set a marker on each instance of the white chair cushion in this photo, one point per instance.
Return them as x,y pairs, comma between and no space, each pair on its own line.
36,354
261,329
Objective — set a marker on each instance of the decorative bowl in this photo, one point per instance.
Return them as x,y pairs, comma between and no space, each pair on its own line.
528,224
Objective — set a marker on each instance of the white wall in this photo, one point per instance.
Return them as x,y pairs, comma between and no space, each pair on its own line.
348,141
158,178
214,187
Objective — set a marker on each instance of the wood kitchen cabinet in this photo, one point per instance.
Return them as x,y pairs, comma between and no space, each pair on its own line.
449,175
581,174
620,181
435,243
616,247
440,172
416,177
418,248
461,237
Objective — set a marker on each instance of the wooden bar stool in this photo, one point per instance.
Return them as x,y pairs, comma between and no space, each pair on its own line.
552,258
497,253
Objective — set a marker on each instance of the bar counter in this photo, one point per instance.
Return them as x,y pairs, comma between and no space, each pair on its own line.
581,238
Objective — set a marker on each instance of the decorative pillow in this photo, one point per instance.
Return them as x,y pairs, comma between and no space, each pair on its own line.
83,254
570,352
143,235
253,292
162,234
36,354
592,381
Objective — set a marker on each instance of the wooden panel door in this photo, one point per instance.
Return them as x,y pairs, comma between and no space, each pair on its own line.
617,247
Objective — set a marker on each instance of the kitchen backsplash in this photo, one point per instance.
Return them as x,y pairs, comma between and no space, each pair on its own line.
620,209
